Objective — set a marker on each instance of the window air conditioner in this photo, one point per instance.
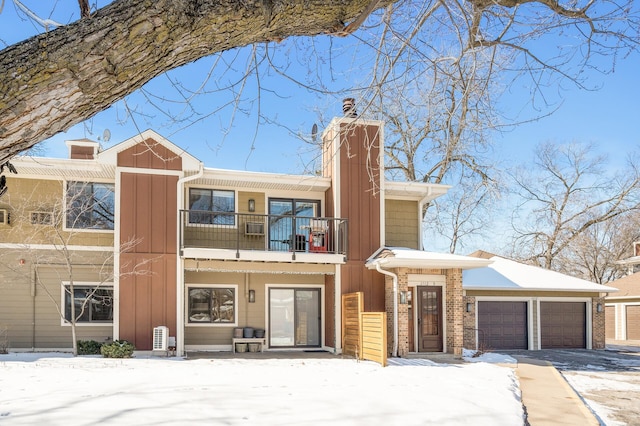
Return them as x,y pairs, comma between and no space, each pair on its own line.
4,217
160,338
254,228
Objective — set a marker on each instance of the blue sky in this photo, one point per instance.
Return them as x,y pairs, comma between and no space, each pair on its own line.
607,117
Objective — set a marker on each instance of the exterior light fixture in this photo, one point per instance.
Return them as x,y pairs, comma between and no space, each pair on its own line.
252,296
252,205
469,307
403,297
599,308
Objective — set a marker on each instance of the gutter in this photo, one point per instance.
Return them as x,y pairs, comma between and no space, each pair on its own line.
179,264
395,307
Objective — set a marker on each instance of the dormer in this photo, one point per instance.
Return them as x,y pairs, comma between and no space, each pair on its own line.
82,149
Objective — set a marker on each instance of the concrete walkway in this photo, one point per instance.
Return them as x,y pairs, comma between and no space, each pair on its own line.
548,398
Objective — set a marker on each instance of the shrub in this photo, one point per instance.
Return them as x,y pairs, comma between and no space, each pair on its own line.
4,339
117,349
89,347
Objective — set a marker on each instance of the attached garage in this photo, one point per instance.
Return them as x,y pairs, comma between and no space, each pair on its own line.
624,323
633,322
510,305
502,325
563,325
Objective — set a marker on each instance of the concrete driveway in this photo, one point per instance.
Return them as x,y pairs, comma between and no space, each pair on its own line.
607,380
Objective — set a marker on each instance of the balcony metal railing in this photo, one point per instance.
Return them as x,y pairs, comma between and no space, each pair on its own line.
273,233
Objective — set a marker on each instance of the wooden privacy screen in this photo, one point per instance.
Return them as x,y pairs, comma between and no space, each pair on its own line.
364,334
352,306
374,337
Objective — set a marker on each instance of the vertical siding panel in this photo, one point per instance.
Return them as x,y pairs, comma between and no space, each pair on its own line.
148,212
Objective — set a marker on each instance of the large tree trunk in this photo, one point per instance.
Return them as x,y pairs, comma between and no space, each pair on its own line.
52,81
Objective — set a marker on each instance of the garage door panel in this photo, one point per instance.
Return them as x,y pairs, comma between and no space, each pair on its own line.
563,325
503,325
633,322
610,322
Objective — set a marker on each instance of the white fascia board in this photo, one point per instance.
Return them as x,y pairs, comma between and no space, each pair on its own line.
546,289
390,262
418,191
110,155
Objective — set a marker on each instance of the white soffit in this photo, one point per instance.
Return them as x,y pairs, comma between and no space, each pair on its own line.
258,180
400,257
61,168
414,190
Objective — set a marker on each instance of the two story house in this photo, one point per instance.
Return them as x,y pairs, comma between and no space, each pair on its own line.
148,236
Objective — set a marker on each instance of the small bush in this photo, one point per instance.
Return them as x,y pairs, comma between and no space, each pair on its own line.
117,349
89,347
4,339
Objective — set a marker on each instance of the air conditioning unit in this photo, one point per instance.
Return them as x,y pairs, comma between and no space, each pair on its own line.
254,228
160,338
4,217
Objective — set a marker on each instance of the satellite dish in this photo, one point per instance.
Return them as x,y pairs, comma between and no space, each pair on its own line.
314,133
106,135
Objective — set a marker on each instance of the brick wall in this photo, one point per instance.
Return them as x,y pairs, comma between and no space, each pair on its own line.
455,312
598,334
469,340
453,317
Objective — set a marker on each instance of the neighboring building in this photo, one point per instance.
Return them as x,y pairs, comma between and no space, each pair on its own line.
150,237
623,309
510,305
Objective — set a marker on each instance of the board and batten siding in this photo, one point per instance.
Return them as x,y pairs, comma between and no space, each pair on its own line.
28,311
401,224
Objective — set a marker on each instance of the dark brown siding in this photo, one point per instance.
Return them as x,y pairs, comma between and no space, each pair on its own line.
148,209
360,203
633,322
329,310
147,300
81,152
150,155
563,325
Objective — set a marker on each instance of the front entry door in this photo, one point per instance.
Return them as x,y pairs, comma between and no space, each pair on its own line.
430,319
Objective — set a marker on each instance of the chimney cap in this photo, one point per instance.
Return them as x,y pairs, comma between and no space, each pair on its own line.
349,107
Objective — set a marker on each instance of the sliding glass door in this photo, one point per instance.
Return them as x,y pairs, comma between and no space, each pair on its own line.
288,223
294,317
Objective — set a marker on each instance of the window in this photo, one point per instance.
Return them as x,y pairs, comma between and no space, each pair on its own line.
93,303
212,206
90,205
214,305
41,218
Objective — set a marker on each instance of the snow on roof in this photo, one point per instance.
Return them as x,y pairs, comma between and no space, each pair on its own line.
505,274
402,257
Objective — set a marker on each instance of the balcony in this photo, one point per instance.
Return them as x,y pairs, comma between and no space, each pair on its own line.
239,236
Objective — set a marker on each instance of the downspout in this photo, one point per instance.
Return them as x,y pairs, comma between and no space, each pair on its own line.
421,204
394,353
180,263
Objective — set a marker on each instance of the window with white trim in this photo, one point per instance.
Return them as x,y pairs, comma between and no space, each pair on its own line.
212,206
90,205
93,302
211,305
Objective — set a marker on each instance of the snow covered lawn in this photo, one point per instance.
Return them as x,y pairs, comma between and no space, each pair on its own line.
56,389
